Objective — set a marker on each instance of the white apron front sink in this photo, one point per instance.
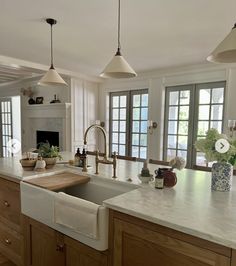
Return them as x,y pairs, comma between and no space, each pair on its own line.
38,204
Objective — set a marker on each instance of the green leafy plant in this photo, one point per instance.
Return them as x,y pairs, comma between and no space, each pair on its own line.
47,151
207,146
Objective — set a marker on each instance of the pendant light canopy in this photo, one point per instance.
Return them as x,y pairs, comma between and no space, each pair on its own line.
51,78
225,52
118,66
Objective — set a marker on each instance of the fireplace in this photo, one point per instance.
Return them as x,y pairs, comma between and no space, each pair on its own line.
47,136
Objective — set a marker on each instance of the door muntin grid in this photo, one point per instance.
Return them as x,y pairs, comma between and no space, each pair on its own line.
6,125
177,122
128,123
206,110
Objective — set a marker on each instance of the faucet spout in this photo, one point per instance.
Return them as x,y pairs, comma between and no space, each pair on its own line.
104,160
104,135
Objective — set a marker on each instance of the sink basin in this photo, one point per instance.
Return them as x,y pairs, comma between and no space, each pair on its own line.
98,190
38,203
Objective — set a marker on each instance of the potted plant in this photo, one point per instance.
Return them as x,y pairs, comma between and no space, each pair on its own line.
222,168
49,153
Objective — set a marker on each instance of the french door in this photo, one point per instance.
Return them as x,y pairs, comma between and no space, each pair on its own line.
6,126
128,123
190,110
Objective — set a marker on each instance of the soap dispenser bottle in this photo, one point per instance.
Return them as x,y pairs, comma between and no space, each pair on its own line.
159,179
77,157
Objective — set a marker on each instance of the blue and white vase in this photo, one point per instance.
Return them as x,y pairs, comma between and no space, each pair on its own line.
221,176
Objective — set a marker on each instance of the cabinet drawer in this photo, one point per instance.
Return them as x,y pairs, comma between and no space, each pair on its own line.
10,201
11,244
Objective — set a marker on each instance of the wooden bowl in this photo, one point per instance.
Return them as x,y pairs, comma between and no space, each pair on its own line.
28,165
50,162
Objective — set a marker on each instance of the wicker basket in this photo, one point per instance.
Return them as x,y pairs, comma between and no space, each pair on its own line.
50,162
28,165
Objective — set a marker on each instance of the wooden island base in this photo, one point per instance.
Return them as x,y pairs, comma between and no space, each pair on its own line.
134,241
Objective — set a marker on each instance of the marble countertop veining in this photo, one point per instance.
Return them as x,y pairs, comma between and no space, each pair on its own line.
190,207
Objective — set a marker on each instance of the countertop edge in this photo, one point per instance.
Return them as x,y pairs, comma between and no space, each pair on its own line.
186,230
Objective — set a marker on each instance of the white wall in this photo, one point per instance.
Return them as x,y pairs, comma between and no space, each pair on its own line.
157,81
84,99
16,117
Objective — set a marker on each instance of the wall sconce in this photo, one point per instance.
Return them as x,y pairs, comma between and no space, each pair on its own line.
232,127
100,123
151,125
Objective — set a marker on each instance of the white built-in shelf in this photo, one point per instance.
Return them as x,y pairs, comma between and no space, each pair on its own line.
48,105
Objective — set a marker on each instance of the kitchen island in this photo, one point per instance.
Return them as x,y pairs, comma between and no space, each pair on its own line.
190,208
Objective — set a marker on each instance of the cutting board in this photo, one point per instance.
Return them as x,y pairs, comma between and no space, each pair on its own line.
58,181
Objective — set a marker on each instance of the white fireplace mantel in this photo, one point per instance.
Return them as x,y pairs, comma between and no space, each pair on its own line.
56,110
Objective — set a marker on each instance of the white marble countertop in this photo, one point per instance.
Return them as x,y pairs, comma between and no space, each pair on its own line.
190,207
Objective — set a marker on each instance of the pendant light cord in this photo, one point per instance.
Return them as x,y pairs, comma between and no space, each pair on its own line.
52,67
119,46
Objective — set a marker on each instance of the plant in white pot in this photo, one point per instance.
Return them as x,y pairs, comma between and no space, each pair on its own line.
222,168
49,153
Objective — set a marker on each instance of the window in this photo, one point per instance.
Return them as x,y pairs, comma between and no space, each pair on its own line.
6,125
191,110
128,123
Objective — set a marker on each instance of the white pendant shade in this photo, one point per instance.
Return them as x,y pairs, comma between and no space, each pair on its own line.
52,78
225,52
118,68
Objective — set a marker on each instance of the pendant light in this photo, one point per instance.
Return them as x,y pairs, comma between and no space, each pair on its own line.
51,78
118,66
225,52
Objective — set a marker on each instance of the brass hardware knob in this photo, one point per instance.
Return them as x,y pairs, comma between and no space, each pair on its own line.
60,248
6,203
8,241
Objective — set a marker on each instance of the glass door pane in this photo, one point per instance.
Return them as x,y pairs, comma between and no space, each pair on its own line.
118,134
177,122
6,125
209,110
139,117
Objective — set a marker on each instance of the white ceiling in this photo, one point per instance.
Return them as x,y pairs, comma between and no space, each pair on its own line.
154,33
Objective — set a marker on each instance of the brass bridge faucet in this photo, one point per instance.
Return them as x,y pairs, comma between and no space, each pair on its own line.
104,160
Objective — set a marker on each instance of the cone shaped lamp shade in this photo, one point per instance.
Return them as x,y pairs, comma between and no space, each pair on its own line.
225,52
52,78
118,68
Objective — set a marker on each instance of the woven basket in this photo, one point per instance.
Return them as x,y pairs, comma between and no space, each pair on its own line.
28,165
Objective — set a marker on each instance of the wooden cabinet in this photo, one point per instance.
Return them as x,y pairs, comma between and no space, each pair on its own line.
47,247
11,227
78,254
140,243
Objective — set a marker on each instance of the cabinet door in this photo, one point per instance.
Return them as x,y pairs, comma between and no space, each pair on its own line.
78,254
139,246
45,246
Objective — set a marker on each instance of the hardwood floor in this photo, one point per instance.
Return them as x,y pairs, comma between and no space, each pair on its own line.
5,262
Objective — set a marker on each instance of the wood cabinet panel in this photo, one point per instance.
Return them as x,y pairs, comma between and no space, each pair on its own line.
11,244
233,259
45,246
140,246
10,210
78,254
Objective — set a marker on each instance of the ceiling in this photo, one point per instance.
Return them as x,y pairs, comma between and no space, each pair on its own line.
155,34
9,73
